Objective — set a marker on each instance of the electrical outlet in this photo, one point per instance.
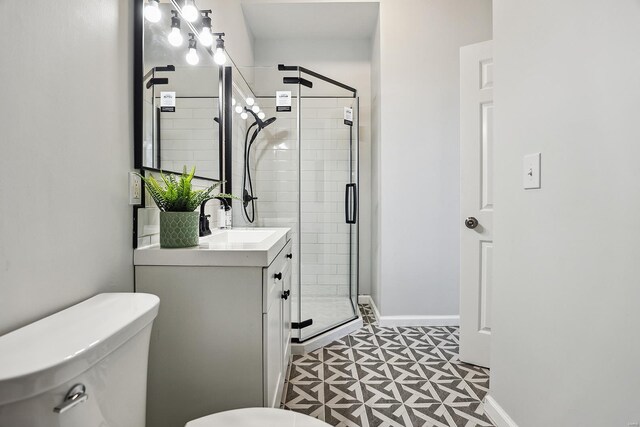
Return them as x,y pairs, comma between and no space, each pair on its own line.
135,189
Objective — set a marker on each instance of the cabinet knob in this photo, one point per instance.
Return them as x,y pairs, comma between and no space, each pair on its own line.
278,276
290,256
285,294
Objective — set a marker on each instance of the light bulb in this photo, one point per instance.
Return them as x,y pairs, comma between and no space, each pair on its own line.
238,109
206,38
233,101
244,115
175,37
250,101
192,56
152,11
189,11
261,115
219,57
255,109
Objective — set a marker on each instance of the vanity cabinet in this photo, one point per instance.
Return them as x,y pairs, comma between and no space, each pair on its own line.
222,336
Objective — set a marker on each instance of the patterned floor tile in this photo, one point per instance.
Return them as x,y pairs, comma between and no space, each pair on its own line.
337,355
340,373
389,377
393,415
418,394
301,396
350,415
363,341
408,372
339,395
307,373
434,415
374,373
381,394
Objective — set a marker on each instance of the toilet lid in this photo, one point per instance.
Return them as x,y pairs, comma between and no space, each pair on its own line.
257,417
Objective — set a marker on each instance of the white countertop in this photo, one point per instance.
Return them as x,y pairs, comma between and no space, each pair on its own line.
238,247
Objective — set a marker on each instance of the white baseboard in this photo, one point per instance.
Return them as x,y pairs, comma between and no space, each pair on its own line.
393,321
498,415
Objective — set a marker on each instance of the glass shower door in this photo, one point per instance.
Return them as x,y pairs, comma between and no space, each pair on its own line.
328,155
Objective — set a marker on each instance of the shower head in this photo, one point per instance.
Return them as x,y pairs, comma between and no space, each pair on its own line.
268,122
261,124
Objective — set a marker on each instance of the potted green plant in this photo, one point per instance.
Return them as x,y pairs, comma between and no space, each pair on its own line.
178,202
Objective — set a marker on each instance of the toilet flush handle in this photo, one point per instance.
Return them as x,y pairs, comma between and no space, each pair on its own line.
75,396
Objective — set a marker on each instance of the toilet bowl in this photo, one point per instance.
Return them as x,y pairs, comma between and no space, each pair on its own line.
84,366
257,417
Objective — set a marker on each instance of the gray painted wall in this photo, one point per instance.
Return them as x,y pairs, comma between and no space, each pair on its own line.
419,167
565,347
65,224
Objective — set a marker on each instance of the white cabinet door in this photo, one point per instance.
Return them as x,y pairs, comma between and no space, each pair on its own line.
273,341
476,201
277,326
286,314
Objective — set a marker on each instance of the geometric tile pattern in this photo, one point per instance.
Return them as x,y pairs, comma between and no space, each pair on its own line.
389,377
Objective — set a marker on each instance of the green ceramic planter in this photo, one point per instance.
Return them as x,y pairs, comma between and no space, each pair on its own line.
179,229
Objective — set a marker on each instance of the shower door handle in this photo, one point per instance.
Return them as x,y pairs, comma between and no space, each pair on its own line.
350,203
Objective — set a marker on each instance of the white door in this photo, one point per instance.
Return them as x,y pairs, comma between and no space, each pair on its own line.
476,201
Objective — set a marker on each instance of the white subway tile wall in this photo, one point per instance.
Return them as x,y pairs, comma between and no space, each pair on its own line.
324,172
189,136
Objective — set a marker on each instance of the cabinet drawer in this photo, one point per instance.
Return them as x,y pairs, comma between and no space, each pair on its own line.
273,275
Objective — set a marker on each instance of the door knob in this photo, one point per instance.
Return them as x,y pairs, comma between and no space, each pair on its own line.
471,222
277,276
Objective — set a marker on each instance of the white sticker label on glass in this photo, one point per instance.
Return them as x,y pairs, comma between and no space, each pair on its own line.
283,100
168,102
348,116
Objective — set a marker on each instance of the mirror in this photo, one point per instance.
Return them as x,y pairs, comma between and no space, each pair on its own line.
179,93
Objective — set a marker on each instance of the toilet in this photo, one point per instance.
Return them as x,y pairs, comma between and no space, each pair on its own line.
257,417
86,366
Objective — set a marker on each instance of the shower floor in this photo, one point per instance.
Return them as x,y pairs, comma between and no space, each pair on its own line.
326,311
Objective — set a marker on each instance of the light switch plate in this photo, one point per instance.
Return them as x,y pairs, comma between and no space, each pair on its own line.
531,171
135,189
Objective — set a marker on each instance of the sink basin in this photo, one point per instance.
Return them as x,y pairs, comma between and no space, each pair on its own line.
239,247
238,236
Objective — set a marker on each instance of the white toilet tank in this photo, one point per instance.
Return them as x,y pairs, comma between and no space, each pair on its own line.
101,344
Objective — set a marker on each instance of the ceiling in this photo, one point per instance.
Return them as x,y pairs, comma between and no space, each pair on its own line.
309,20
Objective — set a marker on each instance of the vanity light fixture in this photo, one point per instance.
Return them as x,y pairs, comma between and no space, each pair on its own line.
219,56
206,37
250,101
189,11
261,115
152,11
255,108
239,109
244,115
175,36
192,55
